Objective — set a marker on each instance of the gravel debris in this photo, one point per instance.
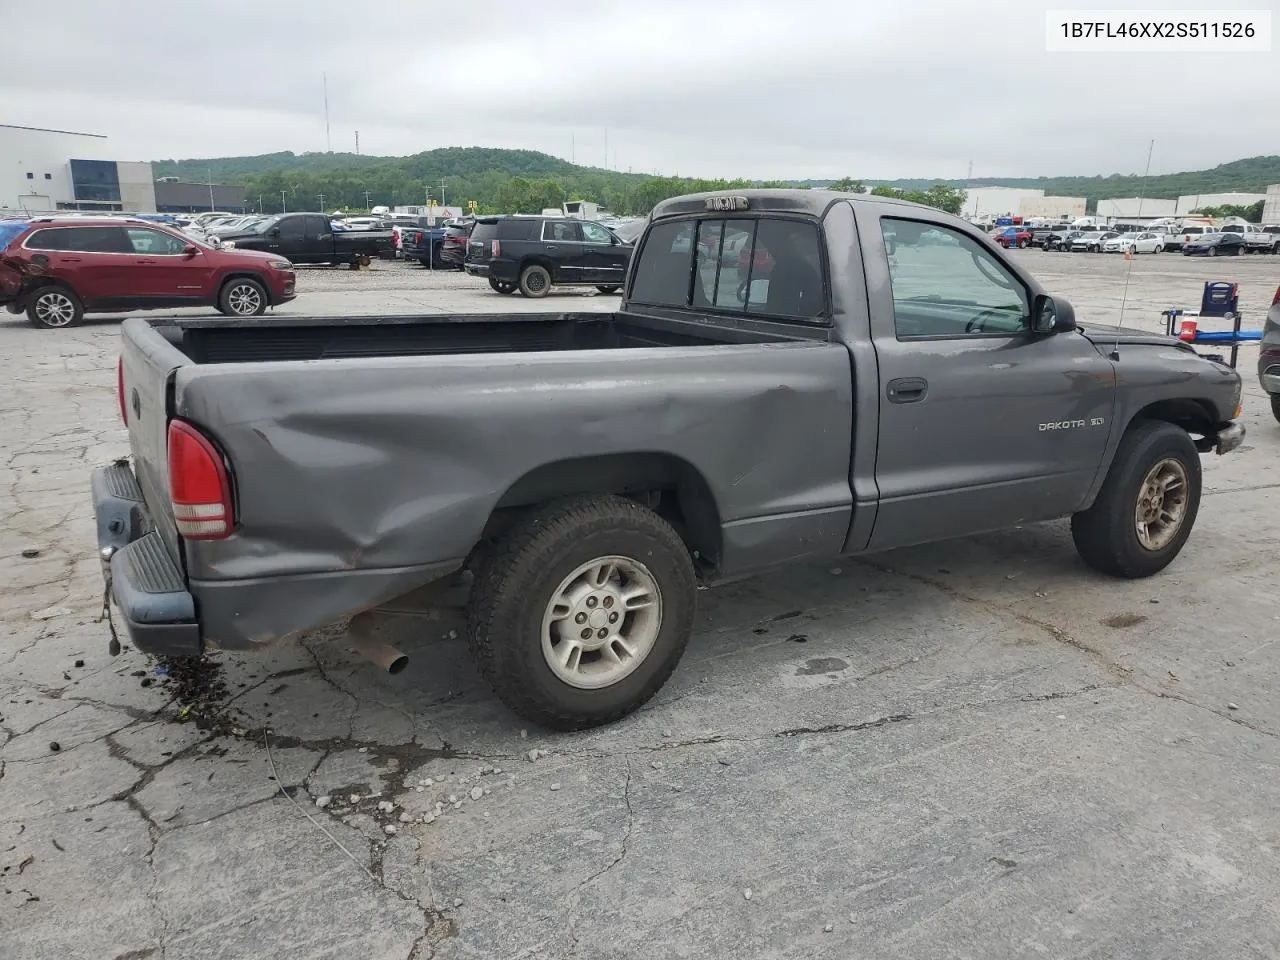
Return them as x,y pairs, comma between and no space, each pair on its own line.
1233,706
828,928
389,829
555,787
406,818
524,734
457,902
324,801
476,793
453,798
30,553
55,746
354,799
427,782
746,894
79,663
385,806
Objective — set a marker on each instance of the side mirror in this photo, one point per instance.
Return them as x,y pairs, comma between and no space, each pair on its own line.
190,250
1052,316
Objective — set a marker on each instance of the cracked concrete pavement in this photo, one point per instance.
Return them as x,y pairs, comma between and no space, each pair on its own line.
977,749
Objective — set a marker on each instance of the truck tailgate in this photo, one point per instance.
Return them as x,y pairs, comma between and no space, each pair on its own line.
148,362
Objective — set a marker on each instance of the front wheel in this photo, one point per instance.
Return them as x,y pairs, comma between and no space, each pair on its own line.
242,297
535,281
1213,251
54,308
580,613
608,288
1147,506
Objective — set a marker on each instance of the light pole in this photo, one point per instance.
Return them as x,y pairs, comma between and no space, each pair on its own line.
320,197
283,206
366,199
211,207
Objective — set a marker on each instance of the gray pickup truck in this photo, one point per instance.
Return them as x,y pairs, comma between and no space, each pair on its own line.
792,376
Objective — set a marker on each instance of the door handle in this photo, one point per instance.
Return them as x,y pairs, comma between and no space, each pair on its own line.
907,390
552,246
146,261
70,259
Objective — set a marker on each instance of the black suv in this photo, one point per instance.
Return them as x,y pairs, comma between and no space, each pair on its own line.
533,254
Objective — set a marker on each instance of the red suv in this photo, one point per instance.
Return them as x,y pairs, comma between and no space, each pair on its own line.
59,268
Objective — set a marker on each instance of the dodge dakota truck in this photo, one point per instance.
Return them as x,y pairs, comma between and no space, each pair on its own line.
815,398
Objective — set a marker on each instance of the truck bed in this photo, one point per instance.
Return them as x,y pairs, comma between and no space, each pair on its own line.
252,340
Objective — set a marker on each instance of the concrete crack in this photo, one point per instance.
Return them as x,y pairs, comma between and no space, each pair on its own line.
626,833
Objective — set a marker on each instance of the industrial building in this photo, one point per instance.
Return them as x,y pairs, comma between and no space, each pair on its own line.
1189,203
1137,208
984,202
1057,208
46,171
1271,205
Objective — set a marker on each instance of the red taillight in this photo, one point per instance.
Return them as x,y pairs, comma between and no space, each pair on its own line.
199,488
417,237
1276,298
495,249
124,410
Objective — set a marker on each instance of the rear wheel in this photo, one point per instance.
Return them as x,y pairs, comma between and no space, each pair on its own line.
242,297
608,288
1147,506
1213,251
1275,406
535,281
580,613
1241,250
55,307
501,286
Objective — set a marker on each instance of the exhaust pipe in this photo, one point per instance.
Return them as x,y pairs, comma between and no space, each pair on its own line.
382,655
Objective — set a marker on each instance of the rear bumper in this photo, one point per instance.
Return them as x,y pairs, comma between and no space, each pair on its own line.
166,614
145,581
476,269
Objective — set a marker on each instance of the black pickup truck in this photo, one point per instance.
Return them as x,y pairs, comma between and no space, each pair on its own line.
311,238
777,387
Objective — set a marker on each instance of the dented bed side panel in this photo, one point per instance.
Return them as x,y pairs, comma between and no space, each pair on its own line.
360,464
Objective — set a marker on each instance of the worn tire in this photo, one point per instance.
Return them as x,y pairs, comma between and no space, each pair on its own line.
1106,535
54,307
501,287
1275,406
609,288
237,298
535,281
520,574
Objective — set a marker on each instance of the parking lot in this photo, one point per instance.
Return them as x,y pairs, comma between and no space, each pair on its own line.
975,749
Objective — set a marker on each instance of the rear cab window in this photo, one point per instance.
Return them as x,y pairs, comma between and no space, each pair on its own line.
771,267
516,228
9,229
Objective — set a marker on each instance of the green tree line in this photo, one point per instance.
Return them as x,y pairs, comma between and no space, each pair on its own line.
499,181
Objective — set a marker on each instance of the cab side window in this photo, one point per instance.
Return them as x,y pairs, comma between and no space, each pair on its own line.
594,233
946,284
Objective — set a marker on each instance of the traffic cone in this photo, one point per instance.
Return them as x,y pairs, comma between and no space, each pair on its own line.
1128,253
1187,332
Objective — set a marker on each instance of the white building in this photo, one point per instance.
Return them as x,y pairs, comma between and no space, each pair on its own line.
1137,208
996,201
46,170
1057,208
1271,206
1195,201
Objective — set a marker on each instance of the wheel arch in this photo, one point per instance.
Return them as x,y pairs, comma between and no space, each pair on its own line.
670,485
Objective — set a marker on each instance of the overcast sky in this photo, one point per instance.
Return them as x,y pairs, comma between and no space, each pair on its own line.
754,88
